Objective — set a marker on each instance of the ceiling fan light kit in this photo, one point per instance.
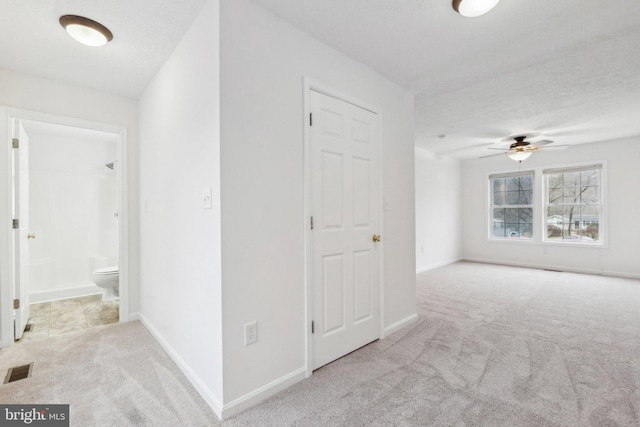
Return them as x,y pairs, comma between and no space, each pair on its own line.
86,31
473,8
521,149
519,156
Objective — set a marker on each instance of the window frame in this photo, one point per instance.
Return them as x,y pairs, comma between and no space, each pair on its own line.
602,205
491,206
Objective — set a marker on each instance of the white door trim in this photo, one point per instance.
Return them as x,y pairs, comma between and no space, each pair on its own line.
7,114
308,85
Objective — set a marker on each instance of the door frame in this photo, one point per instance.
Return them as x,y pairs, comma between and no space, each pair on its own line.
309,84
7,256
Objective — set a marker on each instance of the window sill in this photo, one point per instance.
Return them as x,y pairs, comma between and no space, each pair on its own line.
575,244
517,241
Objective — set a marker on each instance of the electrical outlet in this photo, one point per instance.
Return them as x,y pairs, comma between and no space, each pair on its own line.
250,333
545,251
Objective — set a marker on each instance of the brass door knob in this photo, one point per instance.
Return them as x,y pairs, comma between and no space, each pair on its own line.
31,236
376,238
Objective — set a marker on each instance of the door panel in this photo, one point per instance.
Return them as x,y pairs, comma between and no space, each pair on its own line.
333,293
332,184
362,285
21,239
345,262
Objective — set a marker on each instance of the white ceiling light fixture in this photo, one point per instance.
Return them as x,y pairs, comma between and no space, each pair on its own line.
86,31
473,8
519,156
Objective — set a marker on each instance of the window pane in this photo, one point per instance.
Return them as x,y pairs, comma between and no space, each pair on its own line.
512,230
590,223
515,222
498,229
574,206
525,198
513,197
555,195
511,215
554,181
590,195
590,178
514,184
571,195
572,179
526,231
525,215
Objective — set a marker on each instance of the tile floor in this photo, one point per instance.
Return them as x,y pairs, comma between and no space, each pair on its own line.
69,315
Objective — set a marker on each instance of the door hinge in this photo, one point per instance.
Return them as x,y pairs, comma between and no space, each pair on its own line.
310,119
15,143
16,304
313,327
312,223
16,223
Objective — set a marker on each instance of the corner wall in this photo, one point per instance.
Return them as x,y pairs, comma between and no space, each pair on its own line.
622,204
180,254
263,62
438,210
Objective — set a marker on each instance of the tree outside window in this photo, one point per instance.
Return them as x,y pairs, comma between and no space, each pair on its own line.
573,204
512,206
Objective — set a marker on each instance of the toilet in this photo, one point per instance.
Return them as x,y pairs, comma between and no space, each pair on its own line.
107,278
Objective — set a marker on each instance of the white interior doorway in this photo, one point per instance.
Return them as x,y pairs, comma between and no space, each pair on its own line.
344,253
67,178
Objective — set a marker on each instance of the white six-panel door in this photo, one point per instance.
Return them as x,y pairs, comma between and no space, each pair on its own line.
345,267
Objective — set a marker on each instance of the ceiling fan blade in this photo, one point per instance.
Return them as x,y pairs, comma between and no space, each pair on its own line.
555,147
541,143
501,149
492,155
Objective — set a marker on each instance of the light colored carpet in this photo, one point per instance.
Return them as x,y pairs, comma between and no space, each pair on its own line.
115,375
493,346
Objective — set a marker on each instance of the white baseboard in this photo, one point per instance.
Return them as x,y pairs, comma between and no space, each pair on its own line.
193,378
134,317
263,393
440,264
555,267
400,324
64,293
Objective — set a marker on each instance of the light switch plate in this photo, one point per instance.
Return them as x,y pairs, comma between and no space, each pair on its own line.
206,198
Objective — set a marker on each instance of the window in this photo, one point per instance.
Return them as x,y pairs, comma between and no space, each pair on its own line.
511,205
573,204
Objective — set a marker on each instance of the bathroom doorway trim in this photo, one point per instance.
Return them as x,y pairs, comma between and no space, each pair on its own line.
7,115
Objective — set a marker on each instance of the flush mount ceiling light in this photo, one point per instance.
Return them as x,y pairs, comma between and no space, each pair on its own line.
85,30
473,8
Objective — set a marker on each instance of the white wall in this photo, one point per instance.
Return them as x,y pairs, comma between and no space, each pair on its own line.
180,289
438,210
46,96
619,257
73,199
263,62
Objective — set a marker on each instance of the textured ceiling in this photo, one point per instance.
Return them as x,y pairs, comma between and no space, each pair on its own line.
562,70
145,33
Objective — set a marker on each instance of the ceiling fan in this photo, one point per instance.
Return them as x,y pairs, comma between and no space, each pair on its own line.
521,149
